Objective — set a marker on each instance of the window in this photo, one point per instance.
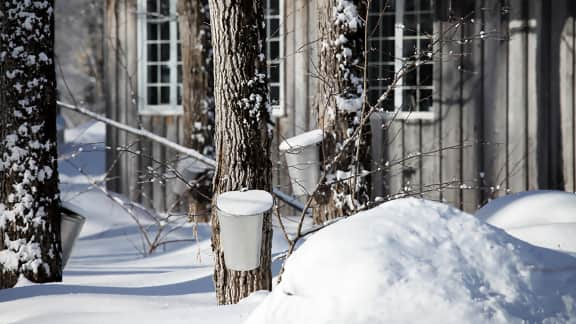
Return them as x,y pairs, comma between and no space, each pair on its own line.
401,34
160,58
275,54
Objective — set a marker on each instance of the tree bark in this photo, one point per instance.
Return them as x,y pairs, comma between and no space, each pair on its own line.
29,196
198,96
242,137
339,104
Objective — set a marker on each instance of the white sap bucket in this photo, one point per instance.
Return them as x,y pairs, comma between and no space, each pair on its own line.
70,227
303,159
241,215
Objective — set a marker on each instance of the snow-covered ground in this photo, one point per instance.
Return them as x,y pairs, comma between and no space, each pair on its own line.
407,261
108,280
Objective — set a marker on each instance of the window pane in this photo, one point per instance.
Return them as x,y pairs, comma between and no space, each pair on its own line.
426,24
410,5
409,100
410,78
151,6
273,7
274,27
179,102
152,31
165,74
425,4
387,73
374,51
165,8
387,48
275,95
152,53
179,73
164,52
410,25
274,73
387,26
152,96
426,75
165,31
152,74
409,48
389,102
426,100
164,95
274,50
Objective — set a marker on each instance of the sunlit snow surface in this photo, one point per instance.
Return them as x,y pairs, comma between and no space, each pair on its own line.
416,261
545,218
407,261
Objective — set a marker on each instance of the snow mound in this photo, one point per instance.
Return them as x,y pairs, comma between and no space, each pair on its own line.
413,261
544,218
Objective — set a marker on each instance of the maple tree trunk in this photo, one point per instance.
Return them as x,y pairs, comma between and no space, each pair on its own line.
29,196
341,81
242,138
198,96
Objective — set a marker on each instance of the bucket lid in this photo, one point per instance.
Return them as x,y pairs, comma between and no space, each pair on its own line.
300,141
245,203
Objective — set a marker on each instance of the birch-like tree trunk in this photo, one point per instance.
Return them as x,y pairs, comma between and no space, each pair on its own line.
242,137
198,95
29,196
340,100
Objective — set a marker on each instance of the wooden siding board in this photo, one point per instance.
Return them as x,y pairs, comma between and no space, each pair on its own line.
285,125
472,109
158,154
122,54
430,133
170,160
111,91
517,97
566,80
430,160
301,52
379,158
495,92
533,95
412,169
130,108
395,154
147,187
557,16
451,113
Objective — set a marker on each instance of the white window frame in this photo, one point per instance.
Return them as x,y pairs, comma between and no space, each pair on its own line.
398,113
277,110
163,109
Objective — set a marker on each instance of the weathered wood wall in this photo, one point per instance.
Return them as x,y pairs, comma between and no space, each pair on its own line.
504,103
131,173
505,106
300,60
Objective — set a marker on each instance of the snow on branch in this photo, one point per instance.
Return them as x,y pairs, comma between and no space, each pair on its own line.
142,133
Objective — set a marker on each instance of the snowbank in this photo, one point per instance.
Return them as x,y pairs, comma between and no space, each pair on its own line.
411,261
544,218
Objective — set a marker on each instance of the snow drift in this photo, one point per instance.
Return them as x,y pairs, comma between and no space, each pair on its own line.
410,261
545,218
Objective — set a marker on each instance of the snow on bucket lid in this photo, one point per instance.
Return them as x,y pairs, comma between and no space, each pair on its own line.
245,203
302,140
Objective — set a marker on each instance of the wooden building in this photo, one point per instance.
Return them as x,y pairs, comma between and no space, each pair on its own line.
490,110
